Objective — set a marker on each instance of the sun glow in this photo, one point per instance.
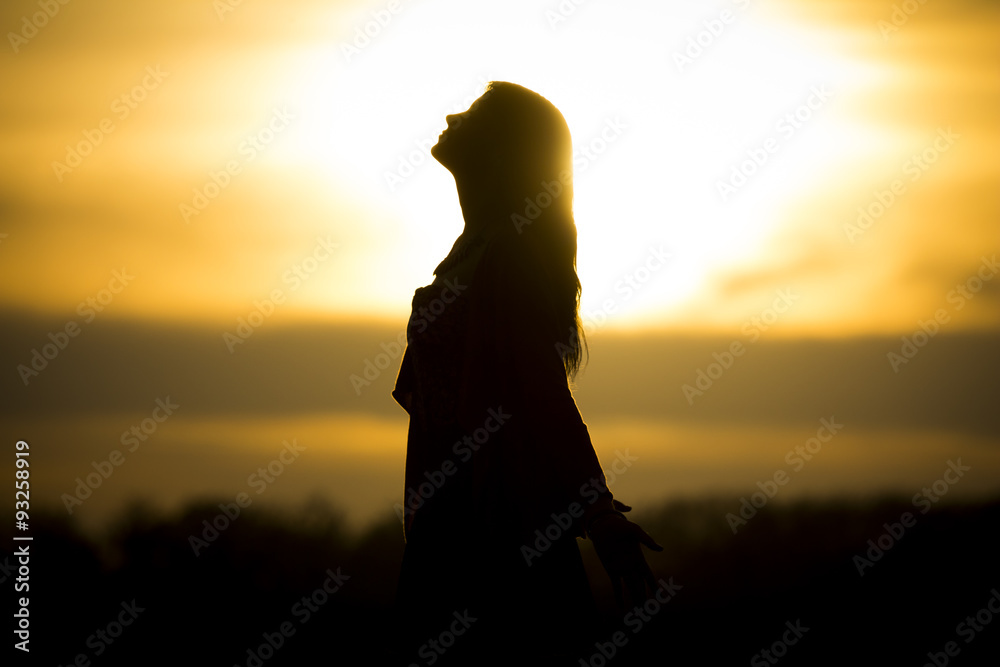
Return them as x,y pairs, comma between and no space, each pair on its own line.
656,133
739,138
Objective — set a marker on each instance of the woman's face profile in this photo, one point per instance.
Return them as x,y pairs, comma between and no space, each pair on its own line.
462,139
509,140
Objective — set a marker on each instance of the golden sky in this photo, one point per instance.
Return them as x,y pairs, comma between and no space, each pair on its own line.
332,200
169,168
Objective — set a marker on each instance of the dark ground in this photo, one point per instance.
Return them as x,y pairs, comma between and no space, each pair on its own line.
790,563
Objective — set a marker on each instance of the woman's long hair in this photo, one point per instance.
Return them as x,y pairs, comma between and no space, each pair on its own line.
533,155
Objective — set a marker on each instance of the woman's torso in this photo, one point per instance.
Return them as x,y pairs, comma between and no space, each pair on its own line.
436,335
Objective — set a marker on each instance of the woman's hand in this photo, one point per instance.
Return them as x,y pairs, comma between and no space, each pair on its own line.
617,543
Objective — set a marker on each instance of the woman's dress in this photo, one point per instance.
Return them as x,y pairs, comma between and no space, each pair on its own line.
499,469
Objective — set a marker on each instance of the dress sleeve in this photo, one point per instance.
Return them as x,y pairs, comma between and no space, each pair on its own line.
403,390
550,459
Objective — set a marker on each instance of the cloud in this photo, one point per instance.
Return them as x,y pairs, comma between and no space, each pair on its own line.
121,366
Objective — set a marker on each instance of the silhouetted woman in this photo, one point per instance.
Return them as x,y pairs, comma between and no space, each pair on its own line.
501,476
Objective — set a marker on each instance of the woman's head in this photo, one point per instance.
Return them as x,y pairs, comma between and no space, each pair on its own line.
512,158
510,133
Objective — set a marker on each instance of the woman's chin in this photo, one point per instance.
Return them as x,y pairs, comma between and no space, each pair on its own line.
440,153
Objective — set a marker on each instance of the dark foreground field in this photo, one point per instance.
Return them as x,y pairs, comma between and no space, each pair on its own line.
790,566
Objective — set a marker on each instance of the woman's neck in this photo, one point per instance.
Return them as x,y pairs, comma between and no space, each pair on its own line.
485,208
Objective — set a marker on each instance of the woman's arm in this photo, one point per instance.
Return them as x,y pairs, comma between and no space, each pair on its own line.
526,339
533,370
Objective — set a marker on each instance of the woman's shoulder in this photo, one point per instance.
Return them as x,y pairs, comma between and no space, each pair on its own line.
483,260
463,260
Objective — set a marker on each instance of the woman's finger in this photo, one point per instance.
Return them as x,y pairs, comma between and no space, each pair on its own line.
620,506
